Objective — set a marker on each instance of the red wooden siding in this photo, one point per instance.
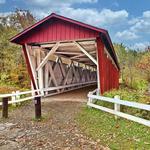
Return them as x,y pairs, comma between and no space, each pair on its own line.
109,75
58,30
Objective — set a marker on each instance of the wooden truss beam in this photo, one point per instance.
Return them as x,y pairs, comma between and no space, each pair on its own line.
68,44
68,53
53,69
86,53
81,55
31,65
52,51
62,68
53,76
62,42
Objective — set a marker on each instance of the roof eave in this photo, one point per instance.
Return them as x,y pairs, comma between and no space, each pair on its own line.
112,49
19,35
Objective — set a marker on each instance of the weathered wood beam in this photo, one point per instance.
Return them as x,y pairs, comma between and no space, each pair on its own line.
52,51
37,102
81,55
62,68
46,76
40,71
5,107
68,53
80,70
64,41
86,53
67,75
69,44
53,76
83,59
90,64
54,68
61,45
74,72
31,66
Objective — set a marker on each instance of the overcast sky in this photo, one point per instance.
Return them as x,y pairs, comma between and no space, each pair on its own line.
128,21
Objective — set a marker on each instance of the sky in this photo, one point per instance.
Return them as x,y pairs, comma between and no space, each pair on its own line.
127,21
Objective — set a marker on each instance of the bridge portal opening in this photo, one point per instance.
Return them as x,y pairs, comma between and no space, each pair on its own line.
63,65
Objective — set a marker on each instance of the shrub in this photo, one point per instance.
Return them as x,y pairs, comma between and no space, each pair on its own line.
4,77
130,95
141,85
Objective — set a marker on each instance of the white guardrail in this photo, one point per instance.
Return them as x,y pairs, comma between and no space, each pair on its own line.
116,111
28,95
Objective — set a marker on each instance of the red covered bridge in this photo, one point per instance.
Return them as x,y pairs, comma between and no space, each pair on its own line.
63,52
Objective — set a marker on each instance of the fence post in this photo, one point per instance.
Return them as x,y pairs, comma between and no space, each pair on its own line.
5,107
97,91
42,92
13,98
17,96
116,106
89,99
37,102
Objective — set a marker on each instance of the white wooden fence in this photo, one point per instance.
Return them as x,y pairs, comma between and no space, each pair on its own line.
28,95
116,111
36,95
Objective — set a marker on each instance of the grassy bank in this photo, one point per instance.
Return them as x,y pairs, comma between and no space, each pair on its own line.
118,134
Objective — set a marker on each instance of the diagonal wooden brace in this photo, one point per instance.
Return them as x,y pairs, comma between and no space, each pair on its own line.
52,51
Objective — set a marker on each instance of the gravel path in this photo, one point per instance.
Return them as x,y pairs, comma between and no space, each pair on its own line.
57,131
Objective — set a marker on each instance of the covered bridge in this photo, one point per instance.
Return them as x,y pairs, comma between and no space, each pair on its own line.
62,52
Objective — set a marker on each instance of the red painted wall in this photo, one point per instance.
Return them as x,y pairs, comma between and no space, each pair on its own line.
58,30
109,75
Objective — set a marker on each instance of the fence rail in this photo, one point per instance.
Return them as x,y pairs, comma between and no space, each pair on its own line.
117,103
38,91
15,97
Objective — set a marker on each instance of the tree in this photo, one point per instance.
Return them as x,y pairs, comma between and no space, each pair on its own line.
127,61
144,64
12,66
132,57
23,18
20,20
122,57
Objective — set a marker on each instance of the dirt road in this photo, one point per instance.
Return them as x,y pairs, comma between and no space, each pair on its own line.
57,131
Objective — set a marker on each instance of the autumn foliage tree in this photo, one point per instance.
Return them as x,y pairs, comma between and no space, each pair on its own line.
12,65
144,64
23,19
135,66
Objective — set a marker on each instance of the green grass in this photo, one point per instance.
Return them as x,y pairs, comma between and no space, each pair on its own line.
118,134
